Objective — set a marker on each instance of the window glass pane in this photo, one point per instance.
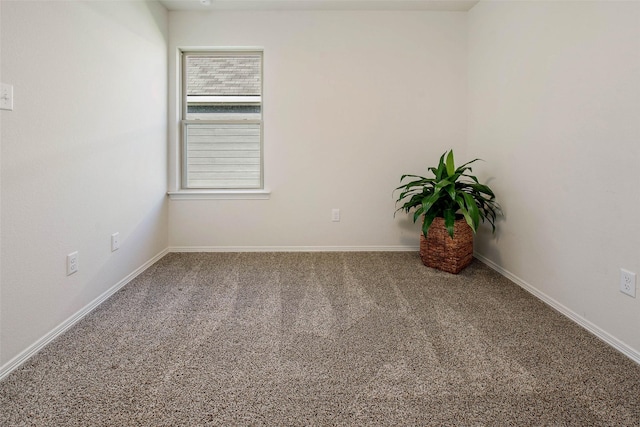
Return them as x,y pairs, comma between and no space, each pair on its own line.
226,87
223,155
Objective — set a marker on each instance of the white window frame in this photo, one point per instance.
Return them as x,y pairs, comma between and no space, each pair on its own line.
183,192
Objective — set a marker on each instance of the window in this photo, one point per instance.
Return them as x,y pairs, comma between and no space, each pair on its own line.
222,120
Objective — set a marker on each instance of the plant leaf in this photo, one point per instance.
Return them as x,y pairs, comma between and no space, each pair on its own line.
451,169
428,203
449,221
442,169
465,166
451,189
428,219
472,207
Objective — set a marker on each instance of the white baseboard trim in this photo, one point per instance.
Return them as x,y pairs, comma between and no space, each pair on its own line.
293,248
25,355
595,330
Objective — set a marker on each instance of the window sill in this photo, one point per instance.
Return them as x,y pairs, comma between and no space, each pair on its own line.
220,195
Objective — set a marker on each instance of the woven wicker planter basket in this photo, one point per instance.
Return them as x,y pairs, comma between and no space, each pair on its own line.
440,251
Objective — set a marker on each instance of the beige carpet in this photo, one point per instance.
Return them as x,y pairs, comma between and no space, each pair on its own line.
322,339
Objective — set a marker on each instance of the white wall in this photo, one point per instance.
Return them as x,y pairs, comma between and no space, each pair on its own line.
352,100
83,156
554,103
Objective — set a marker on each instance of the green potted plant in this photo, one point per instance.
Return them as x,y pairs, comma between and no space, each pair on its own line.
452,203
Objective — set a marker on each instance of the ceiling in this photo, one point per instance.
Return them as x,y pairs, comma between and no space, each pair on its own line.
434,5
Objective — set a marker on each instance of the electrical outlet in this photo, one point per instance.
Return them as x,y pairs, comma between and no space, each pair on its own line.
335,215
72,263
115,242
628,282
